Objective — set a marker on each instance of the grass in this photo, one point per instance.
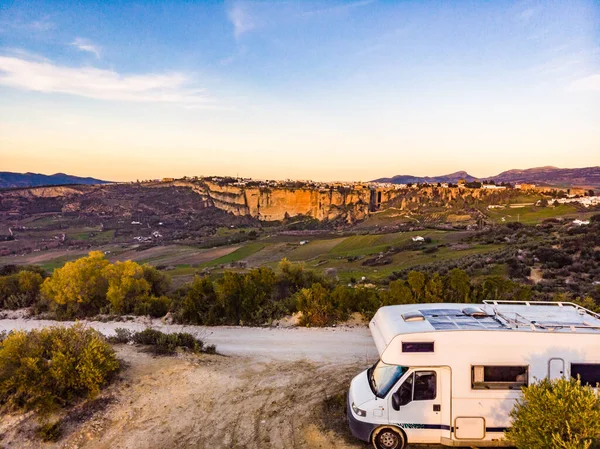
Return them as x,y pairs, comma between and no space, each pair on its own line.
238,254
355,243
530,215
315,248
59,262
405,259
98,237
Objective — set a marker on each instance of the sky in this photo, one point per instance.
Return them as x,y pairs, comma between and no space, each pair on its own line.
336,90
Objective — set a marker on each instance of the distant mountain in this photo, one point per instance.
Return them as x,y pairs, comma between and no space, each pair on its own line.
547,176
8,179
553,176
408,179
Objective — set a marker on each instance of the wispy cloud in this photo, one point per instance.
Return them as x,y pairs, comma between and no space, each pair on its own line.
85,45
41,25
240,16
101,84
345,7
589,83
247,16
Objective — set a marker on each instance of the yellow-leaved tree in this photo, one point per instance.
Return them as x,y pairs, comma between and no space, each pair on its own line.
79,287
126,286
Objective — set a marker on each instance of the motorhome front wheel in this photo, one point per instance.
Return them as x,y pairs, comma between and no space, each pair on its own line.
388,438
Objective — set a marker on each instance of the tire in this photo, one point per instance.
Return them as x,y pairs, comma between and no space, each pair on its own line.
389,438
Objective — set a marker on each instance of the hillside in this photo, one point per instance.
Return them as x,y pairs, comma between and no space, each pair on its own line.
553,176
9,179
409,179
547,176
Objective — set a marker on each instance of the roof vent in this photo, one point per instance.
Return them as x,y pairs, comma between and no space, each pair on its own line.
413,316
475,312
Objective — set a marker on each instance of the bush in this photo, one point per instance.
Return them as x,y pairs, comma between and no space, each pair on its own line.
556,414
122,336
92,284
316,306
20,290
160,343
46,369
50,432
156,307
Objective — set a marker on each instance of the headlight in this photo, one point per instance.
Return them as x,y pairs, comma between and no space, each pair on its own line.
358,411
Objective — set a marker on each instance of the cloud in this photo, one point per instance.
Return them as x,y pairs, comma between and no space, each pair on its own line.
85,45
40,25
101,84
587,84
339,8
241,18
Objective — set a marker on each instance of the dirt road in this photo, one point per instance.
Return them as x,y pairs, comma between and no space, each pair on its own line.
333,345
271,388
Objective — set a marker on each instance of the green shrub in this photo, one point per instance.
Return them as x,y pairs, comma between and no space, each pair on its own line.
46,369
147,337
156,307
50,432
20,290
560,414
160,343
316,306
122,336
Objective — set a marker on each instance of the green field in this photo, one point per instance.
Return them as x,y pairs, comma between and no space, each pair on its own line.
315,248
238,254
531,214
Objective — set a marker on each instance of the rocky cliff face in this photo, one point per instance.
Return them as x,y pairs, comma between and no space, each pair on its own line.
271,204
267,204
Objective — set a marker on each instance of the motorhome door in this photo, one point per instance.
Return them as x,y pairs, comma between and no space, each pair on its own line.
420,404
556,368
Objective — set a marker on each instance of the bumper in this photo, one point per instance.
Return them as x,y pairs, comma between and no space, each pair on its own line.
360,429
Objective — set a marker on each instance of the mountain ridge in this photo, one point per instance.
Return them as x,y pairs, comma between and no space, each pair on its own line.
546,176
29,179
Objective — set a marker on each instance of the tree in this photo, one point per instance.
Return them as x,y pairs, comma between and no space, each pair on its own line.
316,306
160,283
79,287
256,297
230,290
556,414
200,302
400,293
497,288
458,286
434,290
126,286
416,282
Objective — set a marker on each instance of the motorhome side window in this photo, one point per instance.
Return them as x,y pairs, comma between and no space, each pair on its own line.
419,386
589,373
499,377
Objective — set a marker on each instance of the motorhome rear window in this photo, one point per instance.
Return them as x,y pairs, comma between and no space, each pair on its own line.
499,377
417,346
589,373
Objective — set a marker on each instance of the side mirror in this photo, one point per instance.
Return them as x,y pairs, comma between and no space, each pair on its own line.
396,401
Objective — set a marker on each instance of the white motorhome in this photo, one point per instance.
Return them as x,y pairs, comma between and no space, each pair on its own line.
450,373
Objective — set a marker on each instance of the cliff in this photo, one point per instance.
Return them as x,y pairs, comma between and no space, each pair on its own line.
178,198
270,204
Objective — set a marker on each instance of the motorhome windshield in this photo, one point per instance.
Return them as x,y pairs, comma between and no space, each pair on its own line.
382,377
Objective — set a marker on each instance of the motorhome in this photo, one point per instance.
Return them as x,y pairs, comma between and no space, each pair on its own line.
450,373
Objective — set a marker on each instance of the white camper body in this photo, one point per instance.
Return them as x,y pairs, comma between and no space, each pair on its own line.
450,373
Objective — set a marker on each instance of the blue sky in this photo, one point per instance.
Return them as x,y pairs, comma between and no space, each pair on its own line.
321,90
